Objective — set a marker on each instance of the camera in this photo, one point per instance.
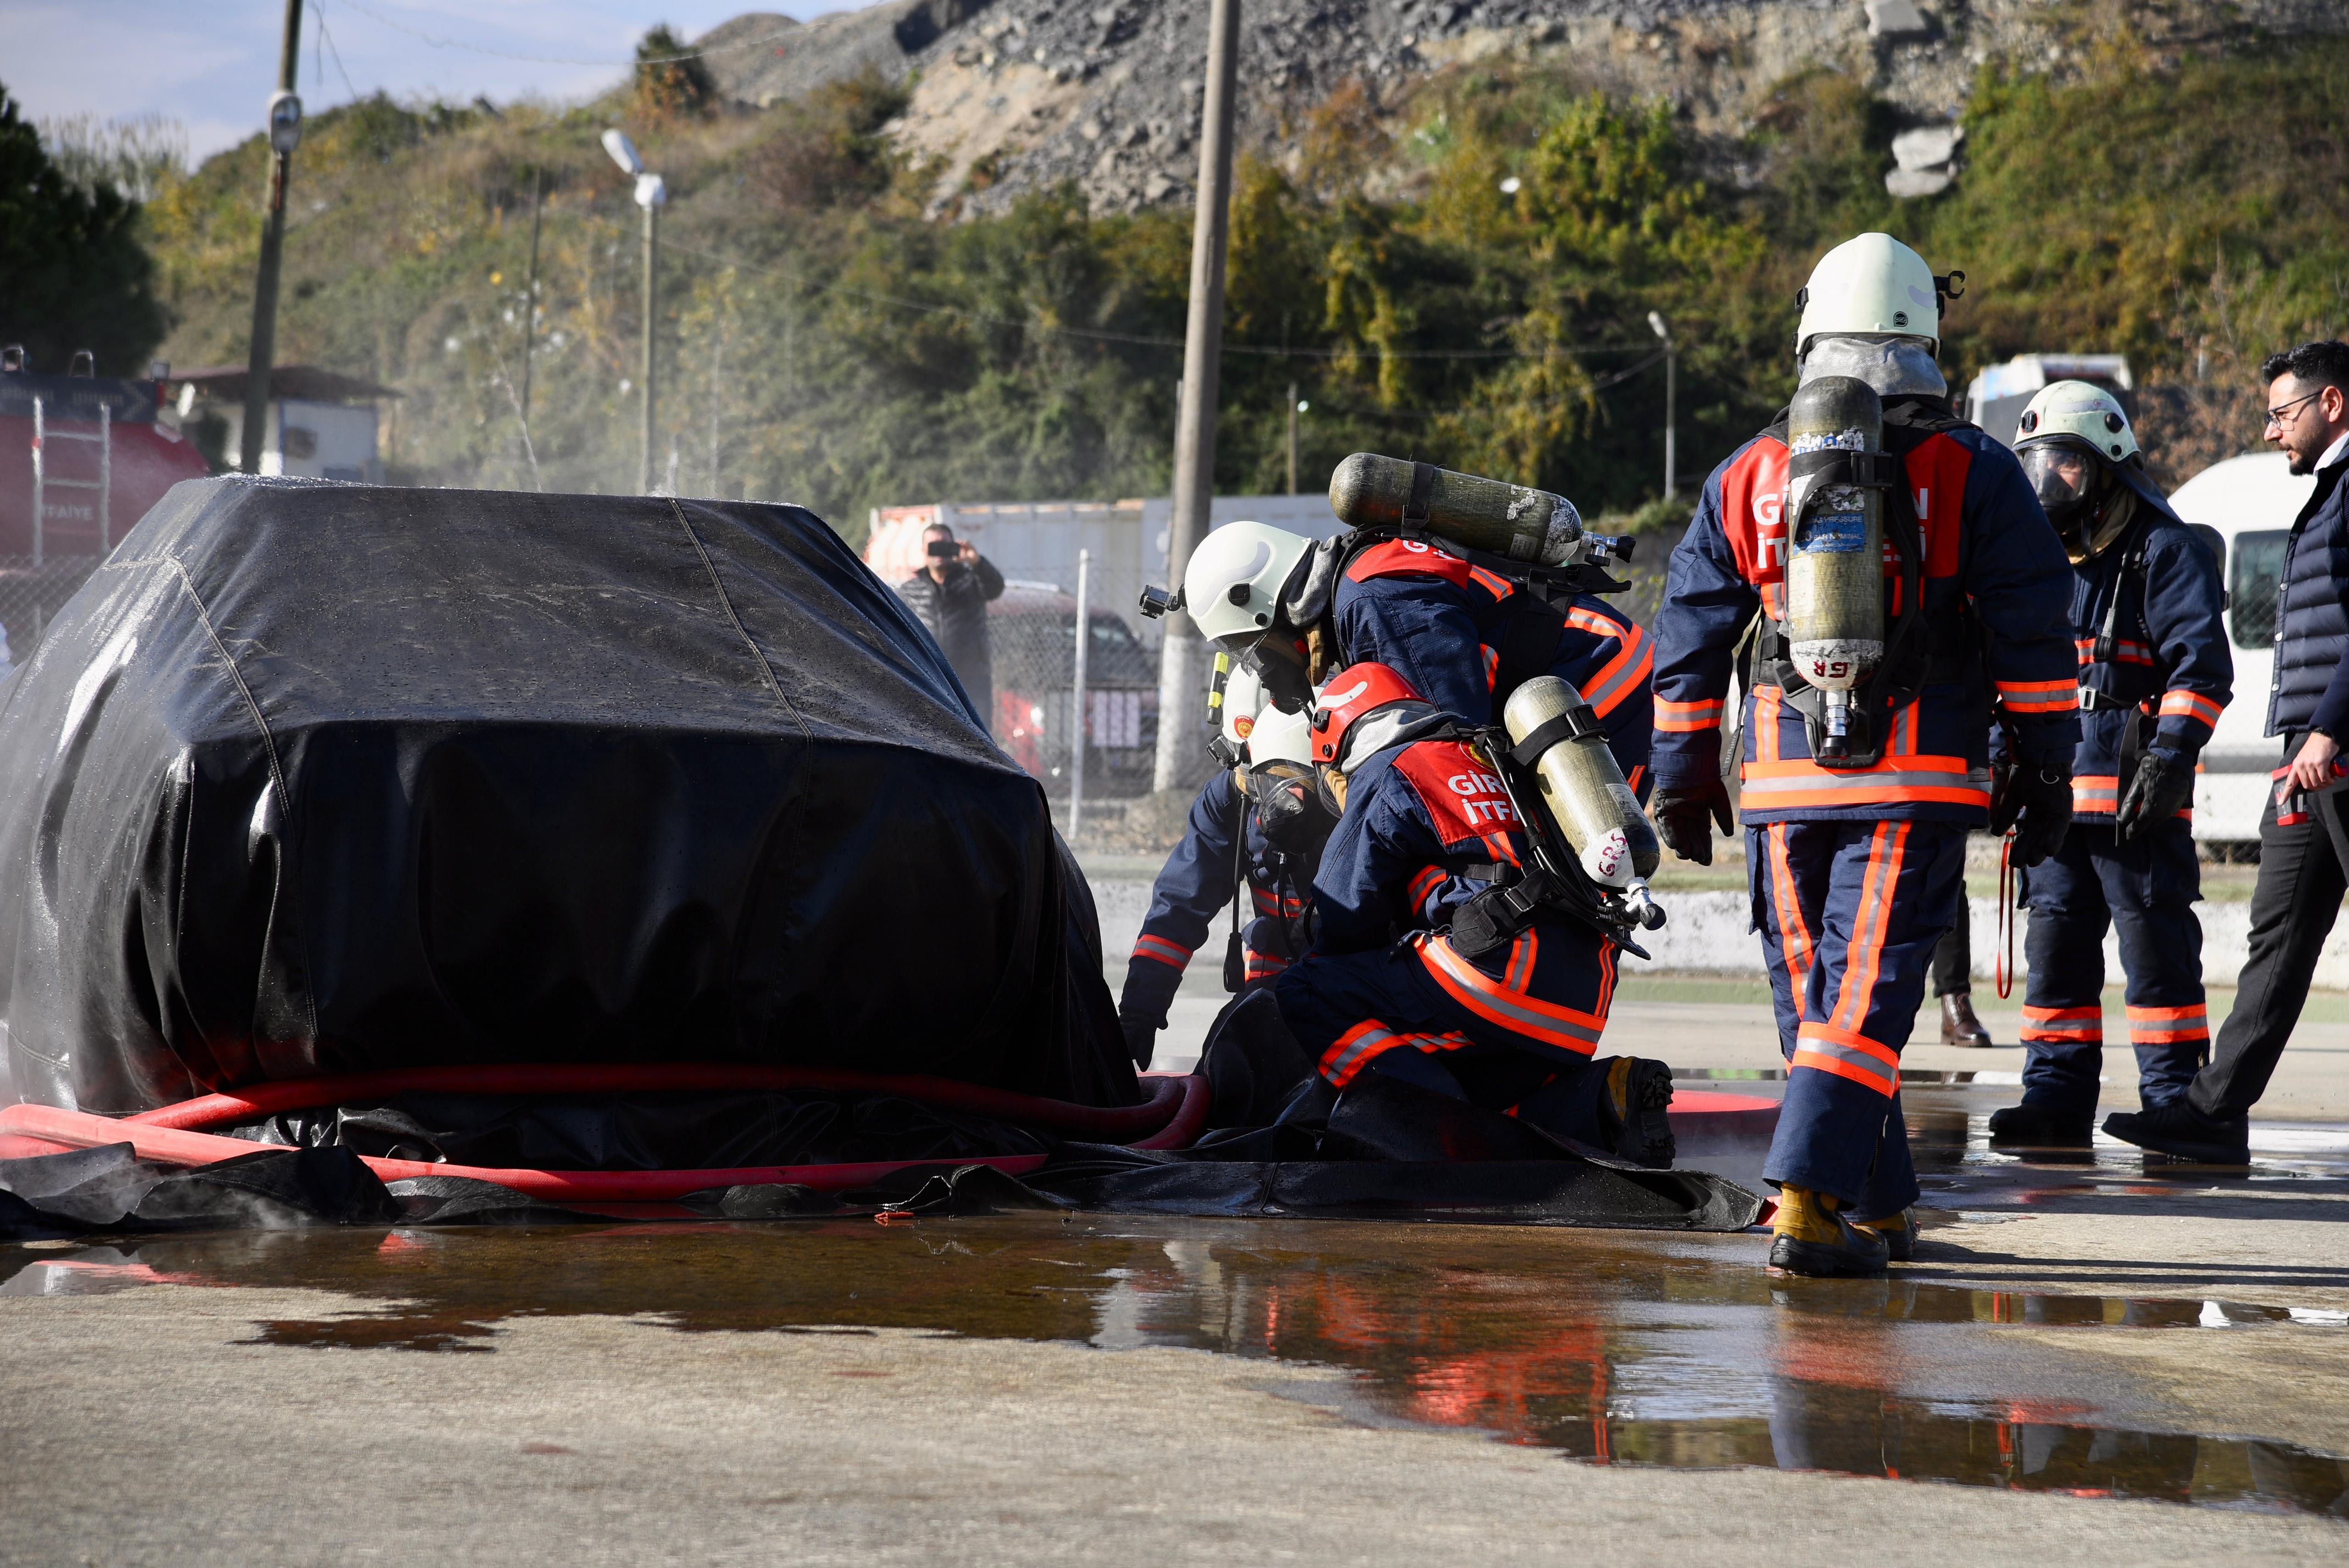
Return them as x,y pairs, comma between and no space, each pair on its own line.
1157,601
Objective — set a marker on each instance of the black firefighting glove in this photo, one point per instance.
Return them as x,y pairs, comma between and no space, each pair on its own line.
1680,819
1141,1039
2036,802
2162,787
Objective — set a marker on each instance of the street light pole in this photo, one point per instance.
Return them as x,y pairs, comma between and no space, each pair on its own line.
652,192
285,135
1672,375
1292,438
1195,426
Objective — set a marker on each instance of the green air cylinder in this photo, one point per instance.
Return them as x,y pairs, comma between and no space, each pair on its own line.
1835,551
1583,790
1370,491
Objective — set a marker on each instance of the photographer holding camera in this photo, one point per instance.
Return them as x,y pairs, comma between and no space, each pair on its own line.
949,597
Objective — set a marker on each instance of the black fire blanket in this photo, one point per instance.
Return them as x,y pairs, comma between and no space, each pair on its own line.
1386,1151
315,778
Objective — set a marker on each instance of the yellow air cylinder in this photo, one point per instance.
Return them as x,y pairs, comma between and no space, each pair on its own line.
1370,491
1583,790
1834,551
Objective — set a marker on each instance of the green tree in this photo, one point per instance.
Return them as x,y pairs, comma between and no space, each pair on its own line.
73,273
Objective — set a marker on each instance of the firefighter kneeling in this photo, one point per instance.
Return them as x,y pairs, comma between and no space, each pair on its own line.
1506,1018
1902,570
2154,674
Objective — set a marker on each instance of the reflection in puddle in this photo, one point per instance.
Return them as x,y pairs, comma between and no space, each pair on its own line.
1614,1348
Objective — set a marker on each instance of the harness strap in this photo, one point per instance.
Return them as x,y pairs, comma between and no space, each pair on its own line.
1576,723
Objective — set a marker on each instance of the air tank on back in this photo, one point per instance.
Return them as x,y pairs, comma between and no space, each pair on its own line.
1583,789
1370,491
1834,553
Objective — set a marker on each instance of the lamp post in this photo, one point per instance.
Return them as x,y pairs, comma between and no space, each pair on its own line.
284,136
652,193
1671,377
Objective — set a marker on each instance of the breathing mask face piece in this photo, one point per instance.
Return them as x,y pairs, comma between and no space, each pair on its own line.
1893,365
2070,482
1280,669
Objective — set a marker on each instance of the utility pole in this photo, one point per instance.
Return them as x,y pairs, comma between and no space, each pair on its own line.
1077,713
285,135
1294,407
1179,708
1671,377
651,192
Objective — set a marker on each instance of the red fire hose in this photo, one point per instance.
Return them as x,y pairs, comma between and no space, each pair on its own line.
1172,1118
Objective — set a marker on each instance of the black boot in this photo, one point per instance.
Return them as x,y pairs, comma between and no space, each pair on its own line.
2180,1132
1639,1096
2041,1126
1958,1025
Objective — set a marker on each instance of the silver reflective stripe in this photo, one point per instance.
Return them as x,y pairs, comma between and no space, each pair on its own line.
1440,952
1873,1065
1369,1043
1621,681
1827,778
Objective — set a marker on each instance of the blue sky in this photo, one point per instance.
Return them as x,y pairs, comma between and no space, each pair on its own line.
213,64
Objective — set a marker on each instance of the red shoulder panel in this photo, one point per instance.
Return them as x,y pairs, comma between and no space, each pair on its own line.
1937,477
1752,493
1460,794
1409,557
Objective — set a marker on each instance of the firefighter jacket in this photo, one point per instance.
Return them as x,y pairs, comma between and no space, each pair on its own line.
1427,826
1996,587
2169,673
1199,880
1447,627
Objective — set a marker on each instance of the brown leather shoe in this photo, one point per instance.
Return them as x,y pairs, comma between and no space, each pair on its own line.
1958,1025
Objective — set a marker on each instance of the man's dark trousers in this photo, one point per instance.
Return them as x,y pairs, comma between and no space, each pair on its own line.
2303,872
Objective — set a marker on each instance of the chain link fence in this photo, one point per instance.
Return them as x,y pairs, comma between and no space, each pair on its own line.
30,597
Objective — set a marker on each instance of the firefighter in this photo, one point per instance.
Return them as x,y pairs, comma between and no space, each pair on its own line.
1466,636
1426,826
2154,673
1856,867
1259,821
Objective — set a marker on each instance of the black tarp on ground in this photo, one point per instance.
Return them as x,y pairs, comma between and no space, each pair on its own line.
316,778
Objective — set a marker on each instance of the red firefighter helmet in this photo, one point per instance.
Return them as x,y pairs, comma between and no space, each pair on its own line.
1353,694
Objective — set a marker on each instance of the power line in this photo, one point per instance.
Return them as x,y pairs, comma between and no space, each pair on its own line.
1098,336
440,42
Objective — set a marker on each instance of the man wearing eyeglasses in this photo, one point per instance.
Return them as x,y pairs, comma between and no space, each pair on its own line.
2304,858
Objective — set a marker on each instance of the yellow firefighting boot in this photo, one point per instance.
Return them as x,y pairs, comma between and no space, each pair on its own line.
1811,1238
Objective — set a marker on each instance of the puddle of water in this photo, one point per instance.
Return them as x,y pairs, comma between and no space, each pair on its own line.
1603,1347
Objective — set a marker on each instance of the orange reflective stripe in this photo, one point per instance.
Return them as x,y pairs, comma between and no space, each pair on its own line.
1626,673
2039,697
2095,792
1687,718
1767,701
2183,704
1164,951
1429,879
1848,1053
2154,1025
1492,582
1492,666
1519,973
1776,785
1568,1029
1794,936
1870,921
1370,1040
2075,1023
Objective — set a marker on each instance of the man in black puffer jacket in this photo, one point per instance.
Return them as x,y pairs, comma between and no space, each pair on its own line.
2304,848
949,597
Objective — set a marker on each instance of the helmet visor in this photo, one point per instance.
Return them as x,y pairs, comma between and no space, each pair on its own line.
2064,475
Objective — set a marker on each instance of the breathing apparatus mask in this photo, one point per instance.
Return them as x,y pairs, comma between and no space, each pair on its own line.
2081,495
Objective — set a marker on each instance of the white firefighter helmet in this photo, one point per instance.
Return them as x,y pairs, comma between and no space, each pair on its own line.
1232,586
2076,408
2077,449
1243,701
1280,738
1872,286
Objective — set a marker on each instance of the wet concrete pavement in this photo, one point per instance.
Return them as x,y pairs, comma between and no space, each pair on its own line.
2143,1361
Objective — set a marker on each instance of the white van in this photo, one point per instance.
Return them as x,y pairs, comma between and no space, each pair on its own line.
2251,501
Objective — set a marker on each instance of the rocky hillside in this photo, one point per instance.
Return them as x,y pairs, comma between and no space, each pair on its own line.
1012,95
